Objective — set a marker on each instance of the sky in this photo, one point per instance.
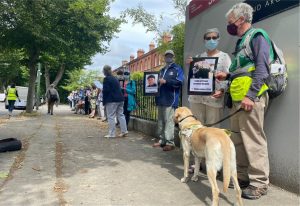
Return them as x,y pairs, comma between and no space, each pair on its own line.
133,37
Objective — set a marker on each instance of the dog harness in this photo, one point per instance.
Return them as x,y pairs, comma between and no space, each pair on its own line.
187,132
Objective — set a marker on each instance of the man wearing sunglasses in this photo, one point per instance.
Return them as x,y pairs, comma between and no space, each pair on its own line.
248,91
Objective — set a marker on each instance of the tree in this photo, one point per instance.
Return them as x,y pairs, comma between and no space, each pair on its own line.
177,43
11,71
152,23
81,77
57,27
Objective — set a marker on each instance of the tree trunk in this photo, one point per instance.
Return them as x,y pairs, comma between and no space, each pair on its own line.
47,77
57,78
32,78
59,74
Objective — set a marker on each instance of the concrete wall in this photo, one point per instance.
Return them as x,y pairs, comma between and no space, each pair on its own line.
149,128
282,119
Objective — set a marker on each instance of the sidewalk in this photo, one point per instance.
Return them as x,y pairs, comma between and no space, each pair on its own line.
66,161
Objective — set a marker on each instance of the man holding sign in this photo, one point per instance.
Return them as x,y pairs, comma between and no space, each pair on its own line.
170,81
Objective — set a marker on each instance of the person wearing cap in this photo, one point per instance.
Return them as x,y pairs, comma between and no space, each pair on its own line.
113,100
209,109
151,81
171,79
52,98
248,90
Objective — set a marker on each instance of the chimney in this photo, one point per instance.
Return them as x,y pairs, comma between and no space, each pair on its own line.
131,57
140,52
151,46
124,62
167,37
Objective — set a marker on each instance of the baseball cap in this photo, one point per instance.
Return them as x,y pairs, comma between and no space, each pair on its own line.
169,52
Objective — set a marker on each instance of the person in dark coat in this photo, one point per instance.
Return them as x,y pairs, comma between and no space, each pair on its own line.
113,101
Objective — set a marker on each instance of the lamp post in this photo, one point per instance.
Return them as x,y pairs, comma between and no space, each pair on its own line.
38,82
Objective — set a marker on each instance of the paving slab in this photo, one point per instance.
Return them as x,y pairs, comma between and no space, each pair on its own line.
67,161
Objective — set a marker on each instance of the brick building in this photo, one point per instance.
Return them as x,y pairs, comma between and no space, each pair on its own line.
150,61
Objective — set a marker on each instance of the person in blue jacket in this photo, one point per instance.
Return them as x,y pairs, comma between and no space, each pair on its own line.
171,79
129,91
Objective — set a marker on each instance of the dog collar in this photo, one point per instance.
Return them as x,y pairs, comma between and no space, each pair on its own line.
187,117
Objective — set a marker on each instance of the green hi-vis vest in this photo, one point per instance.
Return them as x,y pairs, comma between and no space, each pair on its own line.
242,66
11,94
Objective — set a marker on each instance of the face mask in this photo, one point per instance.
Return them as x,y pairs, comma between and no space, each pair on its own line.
232,29
168,60
211,44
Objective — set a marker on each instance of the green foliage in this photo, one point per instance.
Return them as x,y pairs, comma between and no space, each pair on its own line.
56,32
11,71
152,23
140,15
136,76
177,43
80,77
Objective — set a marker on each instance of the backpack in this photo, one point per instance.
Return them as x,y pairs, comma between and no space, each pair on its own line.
53,97
278,77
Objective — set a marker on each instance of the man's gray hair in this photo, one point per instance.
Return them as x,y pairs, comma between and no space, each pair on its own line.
107,70
241,9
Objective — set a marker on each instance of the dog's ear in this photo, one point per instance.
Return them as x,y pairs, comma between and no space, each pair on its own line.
176,115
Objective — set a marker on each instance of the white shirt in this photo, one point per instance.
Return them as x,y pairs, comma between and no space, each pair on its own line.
224,63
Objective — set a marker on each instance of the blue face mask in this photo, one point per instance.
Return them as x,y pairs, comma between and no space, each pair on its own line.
169,60
211,44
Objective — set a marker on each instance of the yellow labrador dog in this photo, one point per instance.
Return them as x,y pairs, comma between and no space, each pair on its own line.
213,144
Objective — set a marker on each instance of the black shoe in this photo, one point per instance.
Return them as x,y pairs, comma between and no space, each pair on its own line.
243,184
253,193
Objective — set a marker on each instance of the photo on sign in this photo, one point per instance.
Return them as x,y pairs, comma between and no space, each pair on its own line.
201,80
151,83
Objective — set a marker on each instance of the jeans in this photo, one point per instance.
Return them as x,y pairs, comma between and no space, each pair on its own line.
166,125
11,105
113,110
126,112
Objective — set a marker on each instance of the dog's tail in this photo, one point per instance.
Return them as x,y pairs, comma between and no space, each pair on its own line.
226,166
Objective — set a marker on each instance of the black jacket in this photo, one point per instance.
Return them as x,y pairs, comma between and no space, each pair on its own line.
111,90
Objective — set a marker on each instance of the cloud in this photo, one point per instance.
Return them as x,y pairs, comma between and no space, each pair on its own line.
131,38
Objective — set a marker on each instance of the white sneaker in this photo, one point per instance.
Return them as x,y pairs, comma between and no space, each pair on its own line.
108,136
123,134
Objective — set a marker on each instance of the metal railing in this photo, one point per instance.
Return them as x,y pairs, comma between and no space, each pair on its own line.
146,104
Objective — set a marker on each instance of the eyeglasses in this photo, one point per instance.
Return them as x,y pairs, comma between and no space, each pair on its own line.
213,37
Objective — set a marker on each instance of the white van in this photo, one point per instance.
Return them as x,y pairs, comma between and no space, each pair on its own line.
22,92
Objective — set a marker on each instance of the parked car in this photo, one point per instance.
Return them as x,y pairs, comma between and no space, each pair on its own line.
2,97
20,105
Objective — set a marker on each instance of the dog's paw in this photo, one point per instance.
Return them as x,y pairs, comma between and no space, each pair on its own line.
195,178
184,179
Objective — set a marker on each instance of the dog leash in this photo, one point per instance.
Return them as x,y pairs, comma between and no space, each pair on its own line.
227,117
